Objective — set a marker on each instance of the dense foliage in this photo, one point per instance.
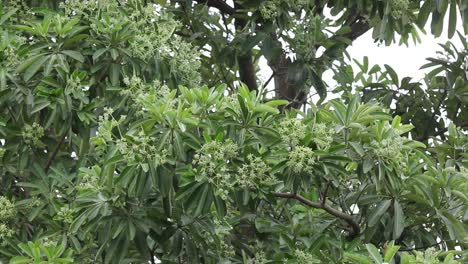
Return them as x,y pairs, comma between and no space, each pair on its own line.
120,144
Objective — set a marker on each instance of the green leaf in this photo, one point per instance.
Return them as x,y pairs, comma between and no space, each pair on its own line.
74,55
453,225
437,23
452,26
263,108
357,257
275,103
393,74
374,252
39,105
176,244
98,53
318,84
10,12
114,74
390,252
424,13
179,145
21,260
378,212
35,65
358,148
398,220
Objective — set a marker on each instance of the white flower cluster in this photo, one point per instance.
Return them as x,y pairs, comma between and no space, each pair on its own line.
212,164
65,214
185,62
304,257
32,134
7,209
109,25
157,99
76,86
260,258
136,148
304,41
301,159
254,172
48,242
7,213
458,176
292,130
89,178
270,9
141,148
106,124
9,45
322,135
398,8
79,7
134,87
150,30
227,250
21,6
155,37
388,149
5,233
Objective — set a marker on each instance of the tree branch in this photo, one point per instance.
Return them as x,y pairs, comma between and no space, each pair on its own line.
323,195
355,228
54,154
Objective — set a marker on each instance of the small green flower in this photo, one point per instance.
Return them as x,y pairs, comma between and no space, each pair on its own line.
7,209
211,164
270,9
259,258
292,130
388,149
398,8
254,172
5,232
65,214
32,134
322,135
304,257
301,159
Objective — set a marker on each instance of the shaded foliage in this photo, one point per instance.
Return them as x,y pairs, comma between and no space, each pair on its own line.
112,151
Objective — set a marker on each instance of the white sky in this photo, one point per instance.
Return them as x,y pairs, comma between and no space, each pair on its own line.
405,60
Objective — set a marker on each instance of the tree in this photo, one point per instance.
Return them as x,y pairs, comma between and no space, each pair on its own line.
121,144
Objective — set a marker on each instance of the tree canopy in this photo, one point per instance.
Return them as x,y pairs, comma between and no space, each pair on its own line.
139,132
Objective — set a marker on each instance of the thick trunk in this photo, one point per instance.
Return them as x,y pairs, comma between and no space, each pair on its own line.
247,70
245,60
284,88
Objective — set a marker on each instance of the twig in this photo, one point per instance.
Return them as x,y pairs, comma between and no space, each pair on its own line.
323,195
269,80
356,229
54,154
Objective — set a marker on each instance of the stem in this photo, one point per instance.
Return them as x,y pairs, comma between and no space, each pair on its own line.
54,154
354,232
